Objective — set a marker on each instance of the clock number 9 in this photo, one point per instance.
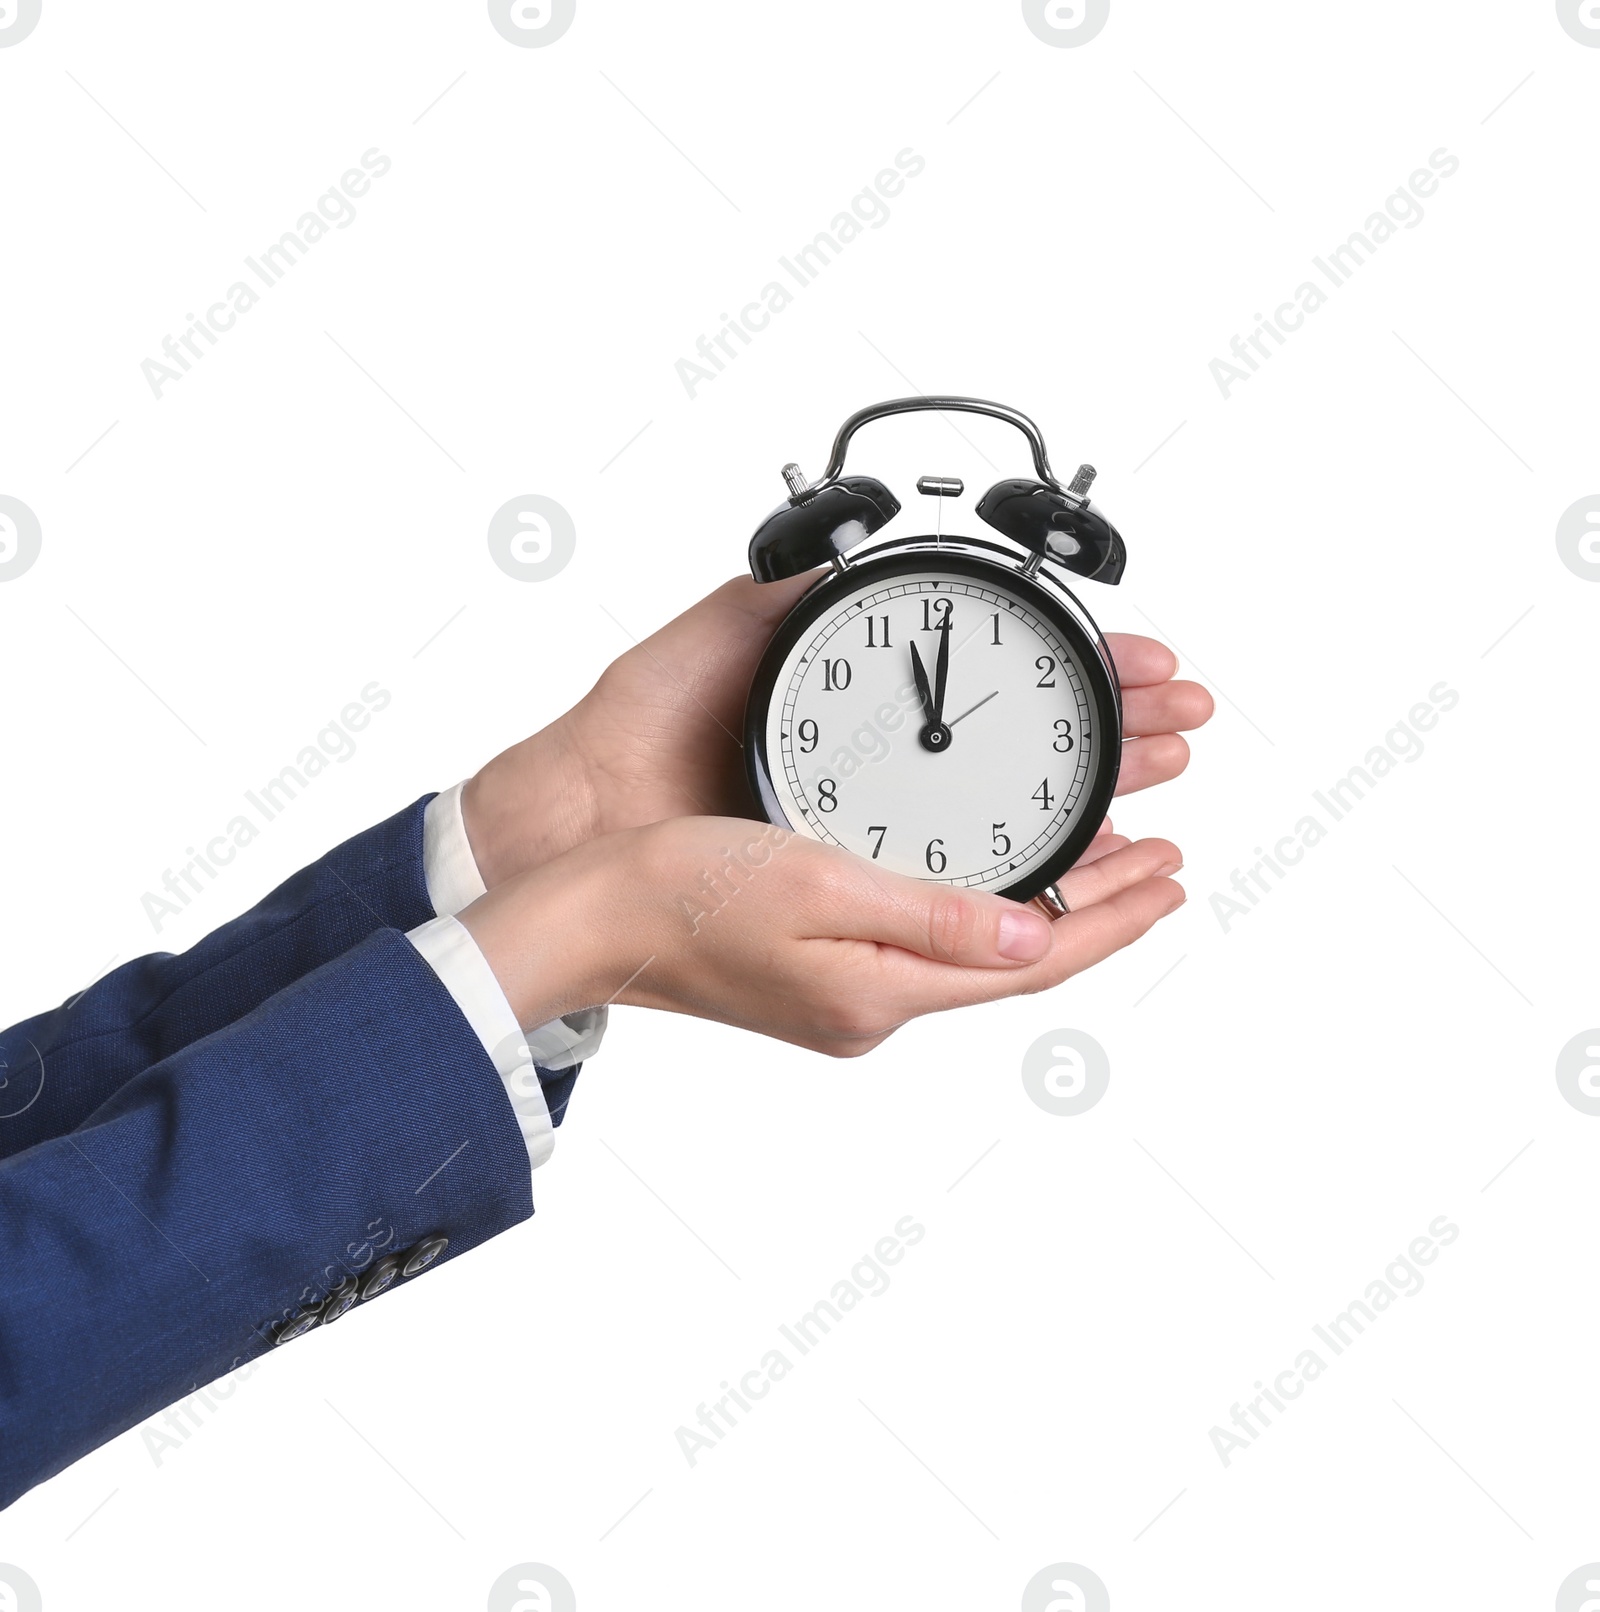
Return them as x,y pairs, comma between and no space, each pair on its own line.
808,740
1063,741
1047,669
827,799
934,857
835,675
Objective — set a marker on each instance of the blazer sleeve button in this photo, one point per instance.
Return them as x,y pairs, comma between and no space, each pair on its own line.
296,1326
340,1300
381,1276
423,1255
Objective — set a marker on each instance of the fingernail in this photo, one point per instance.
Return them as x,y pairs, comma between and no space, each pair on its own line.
1167,869
1024,935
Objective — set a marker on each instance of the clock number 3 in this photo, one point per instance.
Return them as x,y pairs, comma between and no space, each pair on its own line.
1063,741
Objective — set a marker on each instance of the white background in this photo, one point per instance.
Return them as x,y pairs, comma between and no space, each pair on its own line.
1370,515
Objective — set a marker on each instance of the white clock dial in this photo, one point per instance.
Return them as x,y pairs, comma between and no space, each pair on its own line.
1012,772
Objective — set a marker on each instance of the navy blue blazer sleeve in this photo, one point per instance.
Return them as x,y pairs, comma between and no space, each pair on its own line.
237,1180
59,1067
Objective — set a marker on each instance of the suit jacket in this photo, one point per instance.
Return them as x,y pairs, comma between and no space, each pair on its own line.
204,1155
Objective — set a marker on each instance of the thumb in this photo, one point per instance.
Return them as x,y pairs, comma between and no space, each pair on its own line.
742,612
970,928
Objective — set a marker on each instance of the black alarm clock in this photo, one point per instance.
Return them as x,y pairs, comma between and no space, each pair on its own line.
941,705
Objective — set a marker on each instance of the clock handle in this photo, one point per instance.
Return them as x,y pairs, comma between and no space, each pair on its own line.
963,405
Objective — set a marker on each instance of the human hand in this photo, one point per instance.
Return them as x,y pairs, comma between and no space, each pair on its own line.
659,735
749,925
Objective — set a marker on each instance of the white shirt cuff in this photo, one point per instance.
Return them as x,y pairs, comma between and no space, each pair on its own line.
448,864
454,956
454,883
574,1038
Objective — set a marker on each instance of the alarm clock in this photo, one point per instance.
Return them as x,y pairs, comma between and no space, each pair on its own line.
941,705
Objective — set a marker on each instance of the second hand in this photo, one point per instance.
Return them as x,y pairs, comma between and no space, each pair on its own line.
969,710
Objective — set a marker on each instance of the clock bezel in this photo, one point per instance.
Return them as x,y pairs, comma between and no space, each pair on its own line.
996,567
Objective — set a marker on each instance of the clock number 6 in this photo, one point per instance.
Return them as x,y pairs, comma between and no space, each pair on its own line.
934,857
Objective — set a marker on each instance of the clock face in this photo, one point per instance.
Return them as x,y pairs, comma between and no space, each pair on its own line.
998,784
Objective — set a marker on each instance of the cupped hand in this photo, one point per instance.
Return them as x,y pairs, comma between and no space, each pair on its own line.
660,735
748,925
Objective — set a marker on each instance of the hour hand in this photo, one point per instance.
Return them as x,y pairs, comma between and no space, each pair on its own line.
924,693
935,735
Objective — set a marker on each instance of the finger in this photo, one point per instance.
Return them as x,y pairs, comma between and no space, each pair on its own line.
744,606
1079,941
1118,870
964,928
1091,935
767,603
1102,845
723,634
1140,661
1173,707
1151,761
